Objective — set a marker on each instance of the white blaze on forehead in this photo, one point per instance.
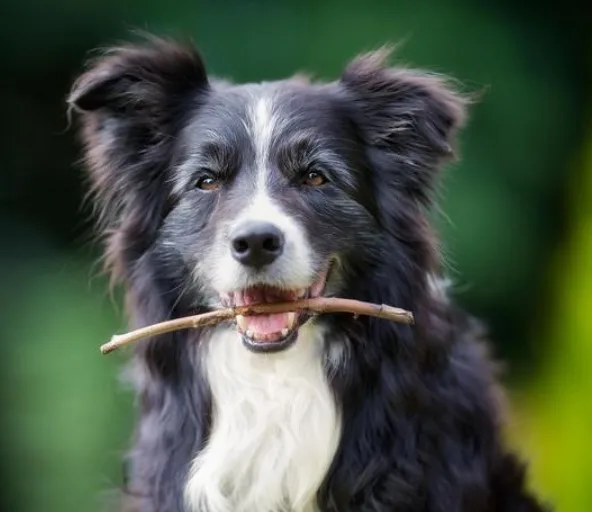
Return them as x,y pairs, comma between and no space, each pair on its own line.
261,126
261,123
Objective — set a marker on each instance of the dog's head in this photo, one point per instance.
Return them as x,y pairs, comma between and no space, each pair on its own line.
239,194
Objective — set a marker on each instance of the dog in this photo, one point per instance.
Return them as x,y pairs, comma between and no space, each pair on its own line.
212,194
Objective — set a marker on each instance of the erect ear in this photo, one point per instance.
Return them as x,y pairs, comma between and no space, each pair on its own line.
408,118
133,100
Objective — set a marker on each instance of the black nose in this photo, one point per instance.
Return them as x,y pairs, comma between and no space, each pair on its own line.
256,244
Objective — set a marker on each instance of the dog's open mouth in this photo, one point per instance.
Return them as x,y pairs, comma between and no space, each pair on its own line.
275,332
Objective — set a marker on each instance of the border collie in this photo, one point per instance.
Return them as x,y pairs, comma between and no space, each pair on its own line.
212,194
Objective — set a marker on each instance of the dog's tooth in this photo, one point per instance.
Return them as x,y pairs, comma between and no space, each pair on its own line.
241,321
285,332
291,320
249,333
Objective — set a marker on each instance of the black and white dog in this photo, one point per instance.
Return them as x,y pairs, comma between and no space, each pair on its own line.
211,194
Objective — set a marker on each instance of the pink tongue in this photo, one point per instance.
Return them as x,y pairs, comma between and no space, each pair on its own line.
267,324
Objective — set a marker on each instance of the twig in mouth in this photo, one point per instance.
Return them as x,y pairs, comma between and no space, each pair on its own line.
319,305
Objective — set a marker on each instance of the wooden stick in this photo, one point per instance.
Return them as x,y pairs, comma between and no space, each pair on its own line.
320,305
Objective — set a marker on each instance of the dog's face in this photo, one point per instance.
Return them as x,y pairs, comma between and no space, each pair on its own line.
269,194
254,193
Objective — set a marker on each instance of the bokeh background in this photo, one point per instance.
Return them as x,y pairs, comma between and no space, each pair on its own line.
515,216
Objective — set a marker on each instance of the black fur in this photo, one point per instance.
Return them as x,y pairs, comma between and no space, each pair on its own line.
422,411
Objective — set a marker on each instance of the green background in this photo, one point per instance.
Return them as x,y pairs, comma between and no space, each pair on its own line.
515,214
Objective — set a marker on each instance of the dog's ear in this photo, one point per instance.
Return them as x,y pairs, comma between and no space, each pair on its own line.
141,79
407,118
132,101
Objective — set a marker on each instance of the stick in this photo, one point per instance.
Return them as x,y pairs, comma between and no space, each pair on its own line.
321,305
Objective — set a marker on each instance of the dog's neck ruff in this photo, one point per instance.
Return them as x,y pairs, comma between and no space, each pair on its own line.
276,427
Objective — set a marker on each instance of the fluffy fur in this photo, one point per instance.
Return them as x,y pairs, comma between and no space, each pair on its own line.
357,415
277,428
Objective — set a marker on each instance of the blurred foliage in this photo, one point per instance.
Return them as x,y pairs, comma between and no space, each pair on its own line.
515,213
553,415
68,414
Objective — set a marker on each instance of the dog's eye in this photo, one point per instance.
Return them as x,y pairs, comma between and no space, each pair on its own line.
314,179
207,183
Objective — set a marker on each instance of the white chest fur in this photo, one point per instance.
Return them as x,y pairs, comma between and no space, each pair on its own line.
275,428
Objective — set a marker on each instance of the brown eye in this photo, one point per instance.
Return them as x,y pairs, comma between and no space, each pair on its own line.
314,179
208,183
